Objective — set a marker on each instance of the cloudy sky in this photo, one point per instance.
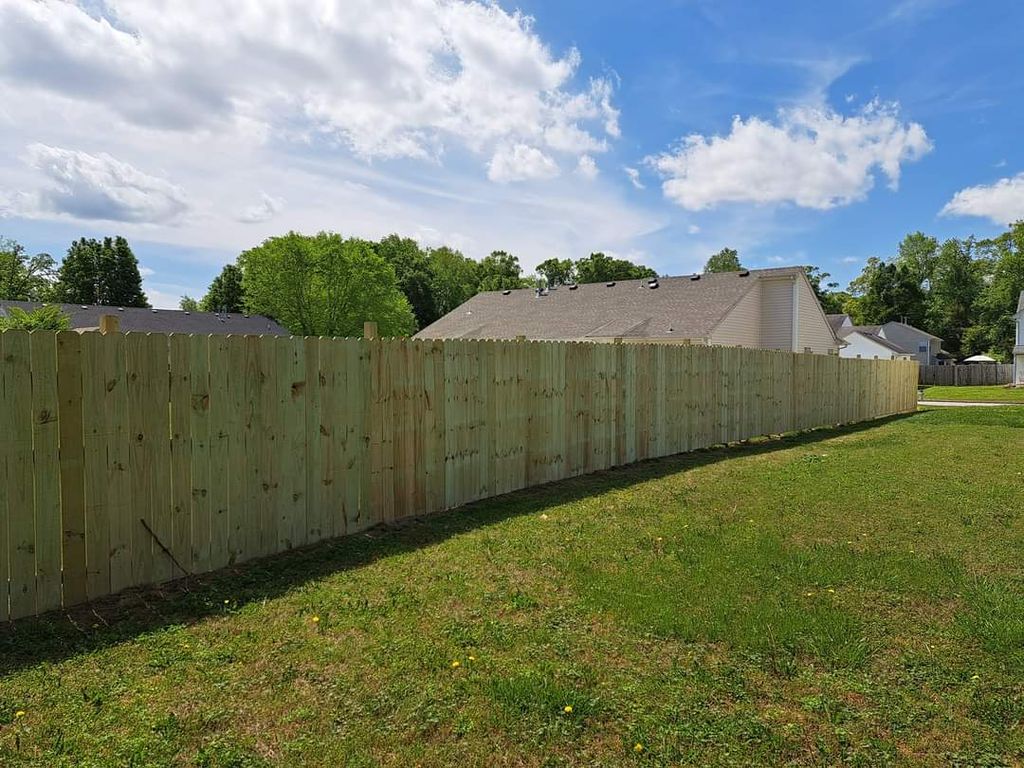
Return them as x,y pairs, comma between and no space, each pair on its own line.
798,132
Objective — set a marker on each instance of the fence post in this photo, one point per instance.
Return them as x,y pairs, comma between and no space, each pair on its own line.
110,324
369,330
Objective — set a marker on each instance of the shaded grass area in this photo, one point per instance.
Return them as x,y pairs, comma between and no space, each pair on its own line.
996,394
847,597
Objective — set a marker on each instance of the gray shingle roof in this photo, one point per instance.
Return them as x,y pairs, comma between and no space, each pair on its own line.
161,320
678,308
866,330
836,322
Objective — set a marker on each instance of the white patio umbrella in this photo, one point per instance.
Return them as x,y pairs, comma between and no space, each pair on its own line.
979,359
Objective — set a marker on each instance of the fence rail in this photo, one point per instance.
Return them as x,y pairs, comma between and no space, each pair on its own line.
967,375
133,459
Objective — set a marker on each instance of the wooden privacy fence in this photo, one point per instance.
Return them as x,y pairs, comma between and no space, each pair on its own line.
967,375
134,459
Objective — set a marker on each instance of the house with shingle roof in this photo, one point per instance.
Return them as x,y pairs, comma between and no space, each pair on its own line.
86,317
758,308
865,341
888,341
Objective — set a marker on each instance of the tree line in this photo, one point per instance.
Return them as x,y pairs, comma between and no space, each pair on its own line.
963,290
328,285
92,272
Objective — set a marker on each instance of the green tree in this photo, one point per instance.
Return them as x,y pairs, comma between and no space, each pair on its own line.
324,285
78,276
225,292
557,271
500,271
956,283
188,304
120,278
24,277
412,269
917,253
726,260
831,301
600,268
95,272
891,293
47,318
1003,280
456,278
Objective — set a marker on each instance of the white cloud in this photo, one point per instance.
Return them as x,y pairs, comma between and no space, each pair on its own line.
587,167
1002,202
693,229
634,177
811,157
213,97
385,79
850,260
268,207
99,187
520,162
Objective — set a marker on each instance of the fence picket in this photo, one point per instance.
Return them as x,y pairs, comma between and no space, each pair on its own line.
46,470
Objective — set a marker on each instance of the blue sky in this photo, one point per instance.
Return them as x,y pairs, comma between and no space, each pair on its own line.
820,133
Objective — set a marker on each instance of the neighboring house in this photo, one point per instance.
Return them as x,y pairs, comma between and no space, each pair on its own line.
1018,350
87,318
926,348
865,341
759,308
890,340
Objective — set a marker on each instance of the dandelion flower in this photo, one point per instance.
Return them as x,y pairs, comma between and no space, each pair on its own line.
543,517
567,710
456,664
638,747
226,602
831,591
316,619
20,713
472,658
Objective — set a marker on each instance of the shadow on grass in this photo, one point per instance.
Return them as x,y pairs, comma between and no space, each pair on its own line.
56,636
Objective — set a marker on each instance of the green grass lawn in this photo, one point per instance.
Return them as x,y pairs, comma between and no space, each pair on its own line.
976,394
849,597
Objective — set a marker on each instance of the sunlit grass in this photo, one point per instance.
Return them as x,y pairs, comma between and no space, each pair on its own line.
975,394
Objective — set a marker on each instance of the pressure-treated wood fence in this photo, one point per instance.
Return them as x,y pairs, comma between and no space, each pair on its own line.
134,459
967,375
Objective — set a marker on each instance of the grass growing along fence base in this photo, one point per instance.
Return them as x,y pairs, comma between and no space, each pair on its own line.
134,459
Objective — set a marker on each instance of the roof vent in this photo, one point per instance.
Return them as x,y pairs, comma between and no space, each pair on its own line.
120,309
85,306
610,285
187,312
744,273
506,292
695,276
153,311
573,286
652,284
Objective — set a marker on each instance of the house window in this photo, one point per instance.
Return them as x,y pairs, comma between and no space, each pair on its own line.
922,346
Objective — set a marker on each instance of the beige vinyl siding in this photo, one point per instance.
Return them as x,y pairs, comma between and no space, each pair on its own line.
742,326
813,331
777,314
